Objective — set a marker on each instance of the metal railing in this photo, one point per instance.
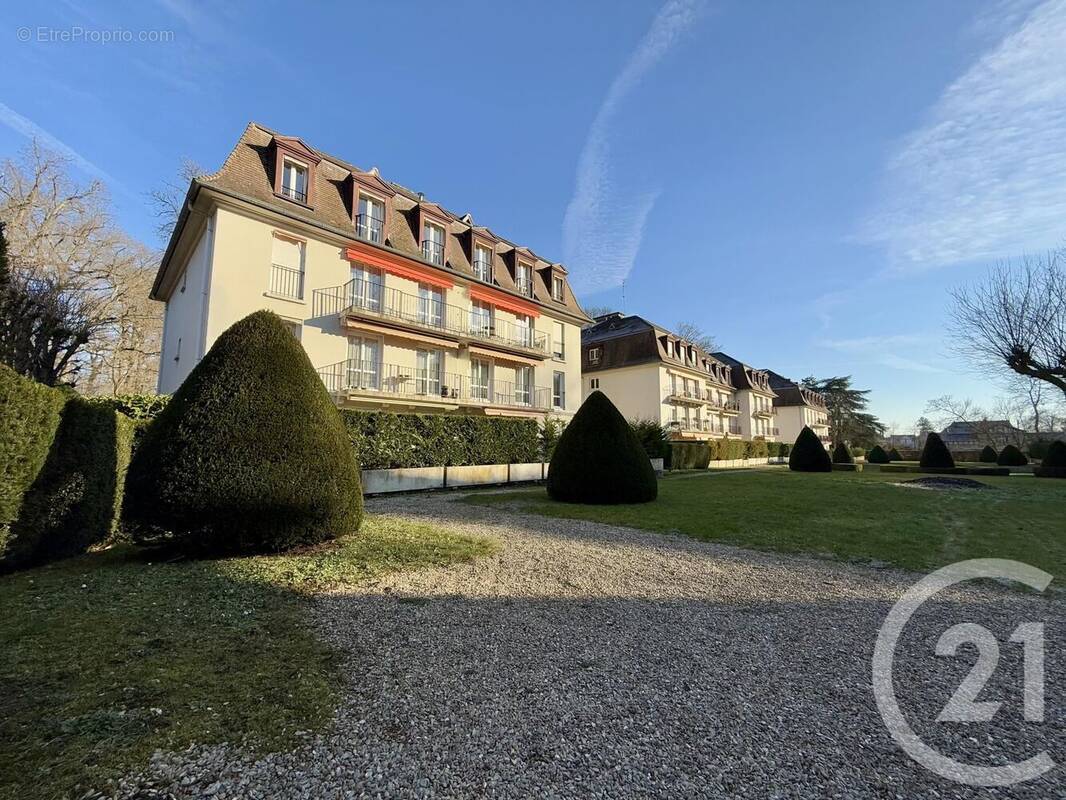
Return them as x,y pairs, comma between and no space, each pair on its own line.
524,286
293,193
375,299
286,281
763,412
367,377
684,394
370,228
729,406
706,426
433,252
483,270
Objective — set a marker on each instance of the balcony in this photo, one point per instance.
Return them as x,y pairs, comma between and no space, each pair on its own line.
765,413
433,252
372,301
684,397
370,228
286,282
729,407
354,378
705,426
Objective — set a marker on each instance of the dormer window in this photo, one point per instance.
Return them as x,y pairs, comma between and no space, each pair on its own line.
558,288
483,263
433,243
370,220
294,180
523,278
594,355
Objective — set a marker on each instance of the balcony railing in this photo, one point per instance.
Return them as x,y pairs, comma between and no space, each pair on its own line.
286,282
726,407
370,228
763,412
705,426
433,252
372,299
483,271
353,376
685,396
294,193
524,286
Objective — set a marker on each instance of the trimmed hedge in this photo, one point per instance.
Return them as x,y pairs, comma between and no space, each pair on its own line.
842,454
756,448
689,455
858,452
988,455
894,455
1054,465
877,455
599,459
250,455
936,455
383,440
808,454
1011,456
777,449
134,406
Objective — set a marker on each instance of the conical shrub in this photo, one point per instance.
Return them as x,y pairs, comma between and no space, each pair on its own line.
599,459
1011,456
842,454
250,455
808,454
895,455
935,454
877,455
1054,464
989,455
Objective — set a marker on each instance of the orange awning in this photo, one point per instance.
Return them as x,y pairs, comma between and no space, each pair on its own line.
414,336
397,265
487,353
504,301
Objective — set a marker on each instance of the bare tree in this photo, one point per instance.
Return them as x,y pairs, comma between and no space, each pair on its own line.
597,311
695,334
1016,319
168,198
87,279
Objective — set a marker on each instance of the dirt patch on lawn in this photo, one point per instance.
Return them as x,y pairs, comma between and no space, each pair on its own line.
945,484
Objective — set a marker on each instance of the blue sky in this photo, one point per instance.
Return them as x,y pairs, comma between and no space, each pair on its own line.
806,181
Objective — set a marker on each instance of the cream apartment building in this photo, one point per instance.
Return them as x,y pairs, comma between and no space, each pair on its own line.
649,372
399,303
798,407
755,397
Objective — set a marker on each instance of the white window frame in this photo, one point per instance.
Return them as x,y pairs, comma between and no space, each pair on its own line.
487,262
482,318
524,275
559,342
479,391
558,288
292,191
365,372
425,383
559,398
366,287
594,354
430,305
372,202
428,229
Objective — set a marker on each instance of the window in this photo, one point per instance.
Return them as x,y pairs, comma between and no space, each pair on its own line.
558,290
294,180
430,305
594,355
479,379
293,327
595,383
427,376
523,279
433,243
287,268
523,385
523,330
559,389
364,363
481,319
365,289
483,263
370,220
558,340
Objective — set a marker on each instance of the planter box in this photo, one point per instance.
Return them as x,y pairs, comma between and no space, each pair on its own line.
411,479
658,465
476,475
524,472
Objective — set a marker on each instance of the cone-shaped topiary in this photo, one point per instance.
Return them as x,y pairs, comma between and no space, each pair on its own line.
1054,464
808,454
877,455
599,459
989,455
895,455
935,454
250,455
1011,456
842,454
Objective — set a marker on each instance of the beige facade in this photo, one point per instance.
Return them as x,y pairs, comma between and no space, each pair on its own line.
792,419
384,329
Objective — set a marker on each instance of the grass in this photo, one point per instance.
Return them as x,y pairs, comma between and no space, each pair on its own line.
108,657
845,515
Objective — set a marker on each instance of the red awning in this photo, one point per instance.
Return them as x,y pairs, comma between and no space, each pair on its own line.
397,265
504,301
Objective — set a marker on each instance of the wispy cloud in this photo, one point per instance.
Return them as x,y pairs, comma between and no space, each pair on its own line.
604,225
986,177
884,350
31,130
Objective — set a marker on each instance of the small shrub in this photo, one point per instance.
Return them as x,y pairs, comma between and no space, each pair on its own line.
652,437
250,454
729,449
894,455
756,448
858,452
689,455
599,460
877,455
550,432
134,406
988,455
935,454
808,454
1054,465
842,455
1038,449
1011,456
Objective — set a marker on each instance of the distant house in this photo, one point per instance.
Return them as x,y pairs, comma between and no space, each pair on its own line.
907,441
997,432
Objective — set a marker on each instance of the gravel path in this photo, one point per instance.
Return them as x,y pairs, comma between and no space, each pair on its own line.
591,661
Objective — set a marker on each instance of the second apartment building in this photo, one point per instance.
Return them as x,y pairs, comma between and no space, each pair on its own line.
400,303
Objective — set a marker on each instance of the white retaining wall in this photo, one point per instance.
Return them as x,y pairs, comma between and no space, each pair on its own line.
734,463
413,479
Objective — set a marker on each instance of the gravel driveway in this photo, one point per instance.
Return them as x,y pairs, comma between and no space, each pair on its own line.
591,661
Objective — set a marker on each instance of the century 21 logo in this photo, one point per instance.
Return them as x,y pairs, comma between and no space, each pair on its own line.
964,705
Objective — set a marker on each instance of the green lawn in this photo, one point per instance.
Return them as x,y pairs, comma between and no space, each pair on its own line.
105,658
854,516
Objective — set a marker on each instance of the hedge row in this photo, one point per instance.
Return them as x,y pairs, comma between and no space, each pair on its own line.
384,440
698,455
64,465
134,406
